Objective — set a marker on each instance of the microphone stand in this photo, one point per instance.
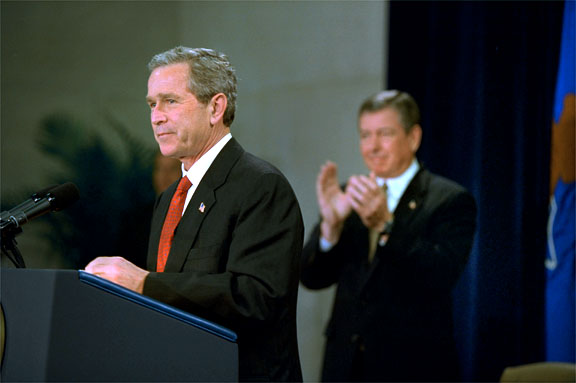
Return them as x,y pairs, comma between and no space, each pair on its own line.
9,248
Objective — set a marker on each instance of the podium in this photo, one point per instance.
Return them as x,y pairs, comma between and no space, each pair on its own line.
71,326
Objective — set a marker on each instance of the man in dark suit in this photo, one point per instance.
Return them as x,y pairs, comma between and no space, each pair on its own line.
395,243
234,255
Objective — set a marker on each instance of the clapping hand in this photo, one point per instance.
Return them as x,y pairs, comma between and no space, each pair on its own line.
369,201
334,206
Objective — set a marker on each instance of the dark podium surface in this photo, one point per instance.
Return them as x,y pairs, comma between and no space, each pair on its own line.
71,326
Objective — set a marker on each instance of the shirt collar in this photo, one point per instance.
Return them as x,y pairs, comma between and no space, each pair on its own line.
200,167
397,185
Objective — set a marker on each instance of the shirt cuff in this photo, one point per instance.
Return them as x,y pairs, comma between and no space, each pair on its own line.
325,246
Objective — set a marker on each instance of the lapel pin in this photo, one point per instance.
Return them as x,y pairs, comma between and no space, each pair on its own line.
412,205
202,207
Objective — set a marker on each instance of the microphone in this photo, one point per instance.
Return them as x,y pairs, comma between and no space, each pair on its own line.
52,198
34,198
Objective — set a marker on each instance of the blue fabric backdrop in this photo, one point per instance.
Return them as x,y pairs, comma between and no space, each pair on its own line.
484,74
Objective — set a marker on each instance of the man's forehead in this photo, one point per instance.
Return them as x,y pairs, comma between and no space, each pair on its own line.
379,118
163,83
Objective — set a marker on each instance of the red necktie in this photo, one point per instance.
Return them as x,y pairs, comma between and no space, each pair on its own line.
171,221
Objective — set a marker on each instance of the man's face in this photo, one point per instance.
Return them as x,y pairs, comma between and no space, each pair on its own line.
385,146
180,122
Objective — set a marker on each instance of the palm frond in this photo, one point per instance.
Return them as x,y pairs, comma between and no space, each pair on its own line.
112,187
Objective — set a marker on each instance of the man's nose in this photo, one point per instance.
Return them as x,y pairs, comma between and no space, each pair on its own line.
374,143
157,116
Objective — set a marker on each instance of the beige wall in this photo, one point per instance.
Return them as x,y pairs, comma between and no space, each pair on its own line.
303,69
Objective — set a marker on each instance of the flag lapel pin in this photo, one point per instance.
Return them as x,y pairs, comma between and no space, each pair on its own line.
202,207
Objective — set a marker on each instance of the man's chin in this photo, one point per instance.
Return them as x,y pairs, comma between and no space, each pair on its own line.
168,151
379,170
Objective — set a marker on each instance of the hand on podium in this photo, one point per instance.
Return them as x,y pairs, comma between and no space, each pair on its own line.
120,271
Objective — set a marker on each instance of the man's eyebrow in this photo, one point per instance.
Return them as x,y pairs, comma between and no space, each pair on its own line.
162,96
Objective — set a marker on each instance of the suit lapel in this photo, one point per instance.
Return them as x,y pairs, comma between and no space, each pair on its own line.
411,201
201,204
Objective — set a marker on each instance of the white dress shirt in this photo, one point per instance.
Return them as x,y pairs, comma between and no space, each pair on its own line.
200,167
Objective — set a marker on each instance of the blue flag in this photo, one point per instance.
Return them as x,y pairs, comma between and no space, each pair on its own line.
560,260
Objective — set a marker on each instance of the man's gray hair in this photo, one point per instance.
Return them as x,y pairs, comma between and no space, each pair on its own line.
210,73
402,102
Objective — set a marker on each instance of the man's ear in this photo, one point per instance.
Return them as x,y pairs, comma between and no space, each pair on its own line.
415,137
217,107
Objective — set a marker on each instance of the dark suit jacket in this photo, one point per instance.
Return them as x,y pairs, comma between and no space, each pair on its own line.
237,262
392,319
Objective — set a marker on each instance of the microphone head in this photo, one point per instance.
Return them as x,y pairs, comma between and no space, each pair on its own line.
34,198
63,196
42,193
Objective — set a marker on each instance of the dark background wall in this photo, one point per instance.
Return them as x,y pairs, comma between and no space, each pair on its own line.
484,74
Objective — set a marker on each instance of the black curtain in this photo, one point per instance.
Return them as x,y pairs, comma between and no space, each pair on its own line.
484,75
